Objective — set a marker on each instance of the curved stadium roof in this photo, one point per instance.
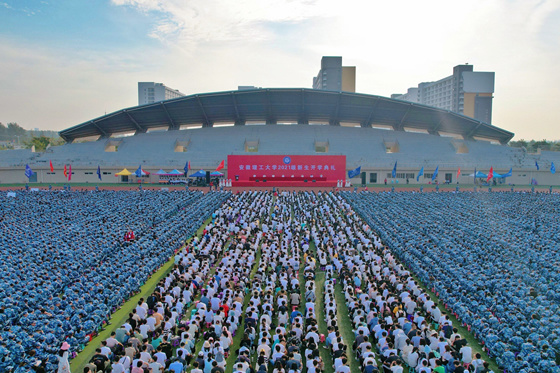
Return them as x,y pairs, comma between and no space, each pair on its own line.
278,105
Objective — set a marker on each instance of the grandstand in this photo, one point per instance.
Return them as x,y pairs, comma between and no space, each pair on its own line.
371,131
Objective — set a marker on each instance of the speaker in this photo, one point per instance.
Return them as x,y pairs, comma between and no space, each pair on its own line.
207,177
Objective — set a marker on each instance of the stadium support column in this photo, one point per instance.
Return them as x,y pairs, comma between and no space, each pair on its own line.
303,117
207,122
172,125
139,129
400,126
238,120
270,119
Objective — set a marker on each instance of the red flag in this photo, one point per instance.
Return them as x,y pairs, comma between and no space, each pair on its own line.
189,165
69,172
221,165
65,172
52,168
490,174
458,172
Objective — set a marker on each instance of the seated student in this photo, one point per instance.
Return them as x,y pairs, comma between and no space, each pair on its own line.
396,367
370,366
100,360
439,367
477,363
424,368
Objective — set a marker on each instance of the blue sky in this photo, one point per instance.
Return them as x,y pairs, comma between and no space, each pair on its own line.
72,61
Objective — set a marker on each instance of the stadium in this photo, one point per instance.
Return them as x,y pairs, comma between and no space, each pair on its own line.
267,278
372,132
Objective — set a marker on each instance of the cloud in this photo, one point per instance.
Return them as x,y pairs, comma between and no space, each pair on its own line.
192,23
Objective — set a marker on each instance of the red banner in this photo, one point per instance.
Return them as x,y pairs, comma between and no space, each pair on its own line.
291,170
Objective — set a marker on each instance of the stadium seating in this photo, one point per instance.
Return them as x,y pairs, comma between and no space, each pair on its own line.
207,147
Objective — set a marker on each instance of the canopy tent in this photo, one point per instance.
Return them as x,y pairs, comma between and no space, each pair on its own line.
124,172
161,172
216,173
176,172
479,174
496,175
142,173
200,173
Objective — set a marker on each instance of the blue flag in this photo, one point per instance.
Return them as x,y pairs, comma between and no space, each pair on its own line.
138,172
28,171
434,176
552,168
536,165
420,173
186,168
355,172
98,172
394,173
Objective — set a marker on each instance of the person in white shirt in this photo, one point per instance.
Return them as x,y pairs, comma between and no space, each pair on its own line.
141,311
466,354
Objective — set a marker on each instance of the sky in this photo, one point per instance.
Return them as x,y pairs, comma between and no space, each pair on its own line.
65,62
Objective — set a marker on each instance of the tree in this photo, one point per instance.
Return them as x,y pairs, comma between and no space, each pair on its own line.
15,130
40,143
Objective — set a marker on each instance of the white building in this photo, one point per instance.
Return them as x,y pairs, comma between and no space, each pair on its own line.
465,92
150,92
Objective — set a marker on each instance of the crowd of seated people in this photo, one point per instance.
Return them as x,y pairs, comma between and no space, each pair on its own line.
66,267
262,289
251,276
492,258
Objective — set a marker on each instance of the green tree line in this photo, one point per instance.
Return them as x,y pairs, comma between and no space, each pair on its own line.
13,135
532,146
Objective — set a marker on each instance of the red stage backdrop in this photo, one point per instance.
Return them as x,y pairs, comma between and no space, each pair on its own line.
286,170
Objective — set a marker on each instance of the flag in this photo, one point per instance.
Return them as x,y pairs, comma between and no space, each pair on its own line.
52,168
394,173
98,172
420,173
434,176
222,163
28,171
186,168
69,172
552,168
355,172
490,174
458,173
138,172
65,172
537,165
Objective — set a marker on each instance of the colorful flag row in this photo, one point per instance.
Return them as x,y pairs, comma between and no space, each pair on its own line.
139,172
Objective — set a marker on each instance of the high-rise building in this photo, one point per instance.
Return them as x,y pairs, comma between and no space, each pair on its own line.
465,92
335,77
150,92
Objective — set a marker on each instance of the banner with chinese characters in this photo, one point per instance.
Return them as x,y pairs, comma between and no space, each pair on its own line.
296,170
